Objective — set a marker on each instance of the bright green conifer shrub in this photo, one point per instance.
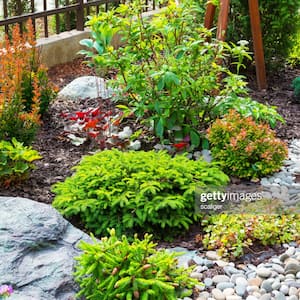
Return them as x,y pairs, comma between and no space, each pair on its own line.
135,191
116,269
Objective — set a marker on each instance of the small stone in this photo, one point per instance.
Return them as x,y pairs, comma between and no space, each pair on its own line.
240,290
241,281
267,286
263,272
222,263
292,268
283,257
198,260
265,297
251,297
284,289
228,292
224,285
293,291
276,260
255,281
298,275
208,282
217,294
196,275
229,270
212,255
252,288
234,277
277,268
220,278
203,296
293,297
280,296
276,285
208,263
200,287
290,251
233,297
200,269
290,276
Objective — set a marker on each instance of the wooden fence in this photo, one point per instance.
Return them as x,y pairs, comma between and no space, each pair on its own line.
71,15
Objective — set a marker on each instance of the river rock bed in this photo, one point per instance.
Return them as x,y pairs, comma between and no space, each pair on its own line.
276,278
285,185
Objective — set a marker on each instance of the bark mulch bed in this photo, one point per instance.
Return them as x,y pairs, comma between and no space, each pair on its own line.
59,155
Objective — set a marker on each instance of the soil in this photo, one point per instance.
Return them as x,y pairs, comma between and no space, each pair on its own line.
59,156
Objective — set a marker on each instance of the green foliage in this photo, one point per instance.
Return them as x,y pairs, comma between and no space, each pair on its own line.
294,53
47,90
296,87
231,234
15,161
135,191
116,269
247,107
167,71
12,7
280,22
244,148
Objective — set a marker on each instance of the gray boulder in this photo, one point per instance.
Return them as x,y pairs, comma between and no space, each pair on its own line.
37,250
86,87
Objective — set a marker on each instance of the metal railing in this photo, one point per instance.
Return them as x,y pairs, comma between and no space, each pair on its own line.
72,14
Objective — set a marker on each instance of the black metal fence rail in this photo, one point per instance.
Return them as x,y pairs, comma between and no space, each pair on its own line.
74,13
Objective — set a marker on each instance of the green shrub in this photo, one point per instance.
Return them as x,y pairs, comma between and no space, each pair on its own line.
116,269
247,107
232,234
280,22
15,161
135,191
244,148
167,71
47,90
296,87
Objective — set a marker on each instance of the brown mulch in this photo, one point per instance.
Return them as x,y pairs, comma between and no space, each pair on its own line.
59,156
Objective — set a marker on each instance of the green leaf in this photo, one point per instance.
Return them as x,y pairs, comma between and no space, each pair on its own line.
205,144
87,42
159,128
195,138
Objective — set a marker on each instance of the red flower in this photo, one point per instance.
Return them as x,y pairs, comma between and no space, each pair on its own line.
181,145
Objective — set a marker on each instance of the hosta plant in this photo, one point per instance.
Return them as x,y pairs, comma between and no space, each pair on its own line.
244,148
16,161
135,191
117,269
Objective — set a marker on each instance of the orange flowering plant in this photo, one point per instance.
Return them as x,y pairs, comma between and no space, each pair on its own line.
246,149
24,88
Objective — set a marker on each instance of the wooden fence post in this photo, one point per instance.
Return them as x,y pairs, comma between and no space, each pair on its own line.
223,19
209,15
257,44
80,16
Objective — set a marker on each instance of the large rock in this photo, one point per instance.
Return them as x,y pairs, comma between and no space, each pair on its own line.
37,250
86,87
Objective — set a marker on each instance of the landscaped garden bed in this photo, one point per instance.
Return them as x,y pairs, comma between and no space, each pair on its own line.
177,123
